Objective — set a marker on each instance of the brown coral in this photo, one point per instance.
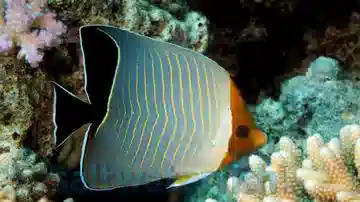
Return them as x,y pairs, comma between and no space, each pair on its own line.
341,42
15,103
20,94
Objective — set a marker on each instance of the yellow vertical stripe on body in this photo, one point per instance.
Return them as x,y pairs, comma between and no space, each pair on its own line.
131,111
173,109
182,106
147,111
116,124
192,104
137,103
208,97
164,104
195,149
200,101
156,108
213,86
122,94
200,94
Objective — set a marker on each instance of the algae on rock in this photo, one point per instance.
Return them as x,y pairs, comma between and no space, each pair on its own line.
15,107
180,25
25,103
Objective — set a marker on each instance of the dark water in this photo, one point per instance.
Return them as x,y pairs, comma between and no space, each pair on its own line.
71,186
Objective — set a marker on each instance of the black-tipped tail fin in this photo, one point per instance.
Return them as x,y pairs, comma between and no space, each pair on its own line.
69,113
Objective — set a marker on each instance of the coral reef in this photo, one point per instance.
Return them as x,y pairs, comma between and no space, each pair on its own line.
26,103
40,136
322,100
28,25
23,176
188,29
274,183
281,26
15,104
20,94
340,41
27,29
225,41
329,172
214,186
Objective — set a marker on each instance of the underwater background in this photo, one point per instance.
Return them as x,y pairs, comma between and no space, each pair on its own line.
296,62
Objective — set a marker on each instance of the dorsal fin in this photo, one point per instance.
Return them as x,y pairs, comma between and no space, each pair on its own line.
100,58
100,61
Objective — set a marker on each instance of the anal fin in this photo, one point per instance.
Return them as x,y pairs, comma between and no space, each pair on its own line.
188,179
69,153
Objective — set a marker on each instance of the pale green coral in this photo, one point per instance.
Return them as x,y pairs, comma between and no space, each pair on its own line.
321,101
23,176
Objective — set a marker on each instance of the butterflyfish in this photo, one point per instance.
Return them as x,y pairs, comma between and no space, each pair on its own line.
152,110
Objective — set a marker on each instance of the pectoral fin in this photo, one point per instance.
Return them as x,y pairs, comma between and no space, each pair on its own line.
188,179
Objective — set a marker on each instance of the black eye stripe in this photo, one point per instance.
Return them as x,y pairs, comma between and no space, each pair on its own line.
242,131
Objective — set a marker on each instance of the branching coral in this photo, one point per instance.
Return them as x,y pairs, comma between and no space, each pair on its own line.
28,25
329,173
276,182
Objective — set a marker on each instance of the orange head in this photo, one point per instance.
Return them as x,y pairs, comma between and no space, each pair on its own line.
245,137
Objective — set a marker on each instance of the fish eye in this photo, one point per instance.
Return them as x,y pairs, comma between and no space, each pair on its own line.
242,131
